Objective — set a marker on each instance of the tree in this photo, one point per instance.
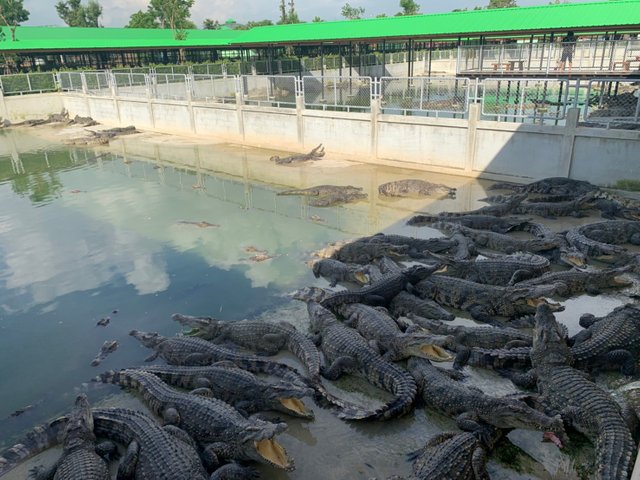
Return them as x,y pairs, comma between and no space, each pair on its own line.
352,13
283,13
381,15
317,19
142,19
11,14
502,4
209,24
290,16
409,7
173,14
74,14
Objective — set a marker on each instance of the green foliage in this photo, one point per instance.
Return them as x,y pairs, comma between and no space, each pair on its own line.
409,7
173,14
290,16
352,13
381,15
254,24
209,24
317,19
629,184
74,14
142,19
502,4
12,12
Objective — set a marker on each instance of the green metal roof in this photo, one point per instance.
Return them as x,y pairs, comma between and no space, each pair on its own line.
559,17
596,16
72,38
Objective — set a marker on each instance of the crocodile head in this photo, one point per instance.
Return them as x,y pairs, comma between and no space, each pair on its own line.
549,344
286,397
79,428
148,339
203,327
259,444
528,298
514,413
319,317
424,346
419,272
572,257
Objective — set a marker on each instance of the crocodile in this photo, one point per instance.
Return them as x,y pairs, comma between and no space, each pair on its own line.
549,186
265,337
564,254
582,404
501,270
552,210
497,199
322,190
573,282
479,337
499,359
108,347
498,241
497,210
364,252
337,198
152,451
592,248
485,301
613,338
414,188
315,154
455,455
216,425
405,303
237,387
415,245
384,335
479,222
79,458
183,350
383,291
336,271
615,232
348,352
469,405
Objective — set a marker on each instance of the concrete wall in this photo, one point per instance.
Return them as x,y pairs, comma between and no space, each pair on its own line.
469,147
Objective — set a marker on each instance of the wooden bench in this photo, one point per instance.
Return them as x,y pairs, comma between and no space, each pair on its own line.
626,64
504,66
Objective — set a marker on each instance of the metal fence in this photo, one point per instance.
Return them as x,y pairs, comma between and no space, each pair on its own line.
214,88
131,84
268,90
611,102
428,95
98,82
536,99
337,93
27,83
71,81
169,86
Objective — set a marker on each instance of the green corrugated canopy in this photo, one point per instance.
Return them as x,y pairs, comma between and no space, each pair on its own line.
73,38
561,17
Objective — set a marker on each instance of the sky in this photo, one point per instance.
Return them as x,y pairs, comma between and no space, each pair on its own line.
116,13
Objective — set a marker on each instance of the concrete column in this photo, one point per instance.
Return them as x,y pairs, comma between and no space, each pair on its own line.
474,117
4,113
375,113
568,142
300,120
239,116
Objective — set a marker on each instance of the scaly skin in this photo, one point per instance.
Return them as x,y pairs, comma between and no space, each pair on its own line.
480,222
484,301
592,248
549,186
469,405
498,210
314,154
564,254
574,282
556,209
405,303
265,337
348,352
615,232
365,252
384,335
413,187
196,351
330,200
237,387
381,292
322,190
152,451
211,422
501,271
336,272
499,241
581,403
493,358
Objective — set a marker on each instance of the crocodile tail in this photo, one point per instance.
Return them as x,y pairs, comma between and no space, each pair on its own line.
119,377
306,351
614,452
393,379
41,438
346,410
507,186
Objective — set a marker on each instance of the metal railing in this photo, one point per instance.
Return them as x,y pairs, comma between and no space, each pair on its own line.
170,86
439,96
214,88
21,84
611,102
337,93
71,81
268,90
131,84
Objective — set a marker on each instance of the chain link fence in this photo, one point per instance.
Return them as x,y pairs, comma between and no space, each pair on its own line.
214,88
337,93
427,95
268,90
70,81
131,84
98,83
27,83
612,103
530,99
169,86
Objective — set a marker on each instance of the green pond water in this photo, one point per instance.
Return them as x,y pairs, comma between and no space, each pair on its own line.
86,234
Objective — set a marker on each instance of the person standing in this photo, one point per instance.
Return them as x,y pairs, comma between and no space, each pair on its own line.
568,47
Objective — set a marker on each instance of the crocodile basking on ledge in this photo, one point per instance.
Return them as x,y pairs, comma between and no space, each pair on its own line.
549,186
315,154
365,252
239,388
336,271
385,336
214,424
322,191
348,352
414,188
478,222
582,404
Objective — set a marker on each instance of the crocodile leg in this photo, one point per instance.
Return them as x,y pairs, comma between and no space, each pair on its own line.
127,467
340,366
233,471
40,472
468,422
479,464
624,358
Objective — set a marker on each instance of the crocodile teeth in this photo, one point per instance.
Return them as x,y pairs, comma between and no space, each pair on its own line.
295,405
361,277
435,353
274,453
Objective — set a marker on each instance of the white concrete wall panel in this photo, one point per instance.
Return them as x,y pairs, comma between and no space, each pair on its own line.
136,113
271,127
605,160
25,107
217,121
172,118
338,134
